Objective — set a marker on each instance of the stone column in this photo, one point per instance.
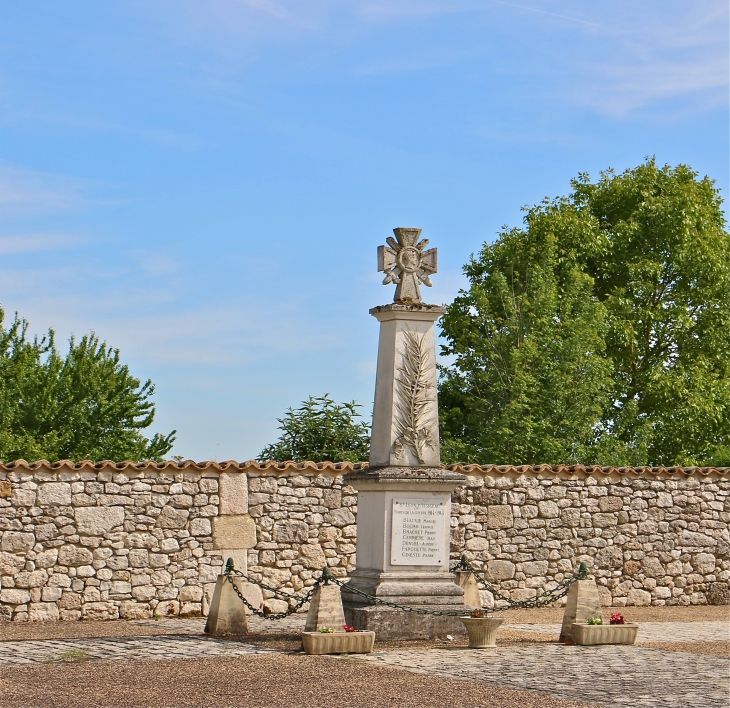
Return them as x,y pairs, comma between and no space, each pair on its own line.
404,498
405,415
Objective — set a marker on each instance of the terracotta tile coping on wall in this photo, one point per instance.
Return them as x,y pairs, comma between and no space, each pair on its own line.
338,468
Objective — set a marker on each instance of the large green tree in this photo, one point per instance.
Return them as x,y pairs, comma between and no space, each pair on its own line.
598,332
320,430
81,405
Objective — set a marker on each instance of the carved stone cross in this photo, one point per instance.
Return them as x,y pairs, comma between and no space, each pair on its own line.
406,264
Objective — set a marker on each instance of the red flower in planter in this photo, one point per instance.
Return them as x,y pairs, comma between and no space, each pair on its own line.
347,628
617,619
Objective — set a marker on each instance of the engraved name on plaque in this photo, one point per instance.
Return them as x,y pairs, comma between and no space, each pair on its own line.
418,532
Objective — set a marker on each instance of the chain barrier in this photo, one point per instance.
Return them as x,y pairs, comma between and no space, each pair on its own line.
546,598
299,600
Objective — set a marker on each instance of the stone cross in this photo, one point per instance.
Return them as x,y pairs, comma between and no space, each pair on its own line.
406,264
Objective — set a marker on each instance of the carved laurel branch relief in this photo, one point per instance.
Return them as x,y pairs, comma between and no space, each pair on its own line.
412,409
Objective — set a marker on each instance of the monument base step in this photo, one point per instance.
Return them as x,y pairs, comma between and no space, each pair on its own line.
390,623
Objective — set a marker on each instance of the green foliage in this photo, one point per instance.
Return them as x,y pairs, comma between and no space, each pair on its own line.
720,457
320,430
599,332
529,379
84,405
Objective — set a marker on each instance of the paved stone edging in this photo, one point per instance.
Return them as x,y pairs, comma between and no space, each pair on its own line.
654,631
623,676
121,648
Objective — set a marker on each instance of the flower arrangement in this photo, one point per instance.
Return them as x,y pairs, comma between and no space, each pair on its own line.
326,630
347,628
594,620
617,619
478,614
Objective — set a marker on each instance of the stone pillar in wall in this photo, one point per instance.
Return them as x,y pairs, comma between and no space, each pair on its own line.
234,531
404,498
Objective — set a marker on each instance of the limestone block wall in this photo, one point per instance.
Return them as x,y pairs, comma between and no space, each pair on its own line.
305,518
649,536
106,540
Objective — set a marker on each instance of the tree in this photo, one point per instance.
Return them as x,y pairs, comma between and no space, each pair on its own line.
320,430
84,405
643,260
529,379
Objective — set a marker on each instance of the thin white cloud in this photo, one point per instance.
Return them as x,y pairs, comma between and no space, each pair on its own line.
398,10
546,12
37,243
157,263
653,56
435,59
24,190
631,87
144,315
166,138
612,58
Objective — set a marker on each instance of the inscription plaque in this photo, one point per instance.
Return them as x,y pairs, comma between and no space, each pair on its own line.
418,532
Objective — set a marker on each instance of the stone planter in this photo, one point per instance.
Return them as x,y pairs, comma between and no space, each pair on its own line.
482,631
589,634
338,642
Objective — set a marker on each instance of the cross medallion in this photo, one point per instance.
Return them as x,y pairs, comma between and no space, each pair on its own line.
406,264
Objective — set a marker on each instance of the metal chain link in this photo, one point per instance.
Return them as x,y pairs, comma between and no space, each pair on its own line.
546,598
301,600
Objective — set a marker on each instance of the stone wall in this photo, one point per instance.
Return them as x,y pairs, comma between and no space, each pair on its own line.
648,536
105,541
98,541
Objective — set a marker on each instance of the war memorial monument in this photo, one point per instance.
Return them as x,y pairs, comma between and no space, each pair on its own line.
404,496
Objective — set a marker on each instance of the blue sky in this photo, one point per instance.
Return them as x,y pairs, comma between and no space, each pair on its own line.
205,184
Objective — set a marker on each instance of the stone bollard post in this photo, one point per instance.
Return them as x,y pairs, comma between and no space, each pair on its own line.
465,580
227,614
583,602
325,609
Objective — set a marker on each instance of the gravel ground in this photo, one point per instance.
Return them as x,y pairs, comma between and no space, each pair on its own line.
10,631
270,681
141,628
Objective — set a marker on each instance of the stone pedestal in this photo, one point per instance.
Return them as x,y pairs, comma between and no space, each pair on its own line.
403,534
465,580
405,413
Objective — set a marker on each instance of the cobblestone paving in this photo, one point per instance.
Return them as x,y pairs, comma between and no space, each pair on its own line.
195,625
654,631
622,676
115,648
633,677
